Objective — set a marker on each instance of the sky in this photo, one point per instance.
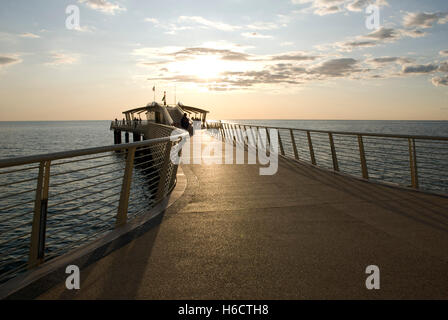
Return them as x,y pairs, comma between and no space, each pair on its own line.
239,59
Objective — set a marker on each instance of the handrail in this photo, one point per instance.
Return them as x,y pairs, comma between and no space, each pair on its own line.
354,133
76,202
9,162
415,161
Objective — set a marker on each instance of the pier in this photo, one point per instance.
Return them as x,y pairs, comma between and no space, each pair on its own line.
300,234
227,232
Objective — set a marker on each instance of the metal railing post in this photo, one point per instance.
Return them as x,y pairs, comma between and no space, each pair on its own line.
244,135
253,137
37,246
282,151
175,166
245,140
413,163
223,128
232,126
310,145
164,171
268,138
236,133
362,155
122,214
260,137
293,141
333,152
223,134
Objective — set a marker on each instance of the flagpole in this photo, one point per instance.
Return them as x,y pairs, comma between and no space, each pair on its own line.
154,90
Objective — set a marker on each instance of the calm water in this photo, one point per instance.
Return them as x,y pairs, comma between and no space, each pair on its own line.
28,138
387,159
72,222
427,128
82,204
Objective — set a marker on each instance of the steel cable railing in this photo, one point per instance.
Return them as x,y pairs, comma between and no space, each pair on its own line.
419,162
53,203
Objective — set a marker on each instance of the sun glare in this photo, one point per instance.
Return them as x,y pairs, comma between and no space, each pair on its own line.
204,67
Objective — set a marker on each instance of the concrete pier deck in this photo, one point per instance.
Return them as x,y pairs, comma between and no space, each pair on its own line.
300,234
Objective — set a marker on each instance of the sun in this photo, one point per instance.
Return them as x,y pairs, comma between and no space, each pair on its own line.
204,67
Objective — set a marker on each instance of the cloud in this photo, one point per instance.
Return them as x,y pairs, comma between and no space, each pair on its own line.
29,35
336,67
440,81
412,33
383,34
153,20
359,5
350,45
263,26
253,77
208,23
9,60
190,23
225,54
322,11
103,6
291,74
59,58
322,7
375,38
387,60
325,7
255,35
423,68
294,56
424,20
198,22
235,69
85,28
173,28
443,67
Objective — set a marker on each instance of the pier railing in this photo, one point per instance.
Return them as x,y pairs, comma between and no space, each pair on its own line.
419,162
52,203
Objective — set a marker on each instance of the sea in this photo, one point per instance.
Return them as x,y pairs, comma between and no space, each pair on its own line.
72,223
25,138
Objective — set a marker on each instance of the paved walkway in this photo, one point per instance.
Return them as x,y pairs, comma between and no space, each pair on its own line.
300,234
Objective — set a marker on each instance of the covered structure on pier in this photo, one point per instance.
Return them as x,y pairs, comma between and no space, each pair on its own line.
168,115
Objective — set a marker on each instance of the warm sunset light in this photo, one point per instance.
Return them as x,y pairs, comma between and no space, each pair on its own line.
224,156
206,67
317,59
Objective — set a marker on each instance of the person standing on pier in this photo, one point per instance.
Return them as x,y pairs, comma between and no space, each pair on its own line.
185,124
164,98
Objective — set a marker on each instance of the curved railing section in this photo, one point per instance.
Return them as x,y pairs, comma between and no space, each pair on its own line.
53,203
419,162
